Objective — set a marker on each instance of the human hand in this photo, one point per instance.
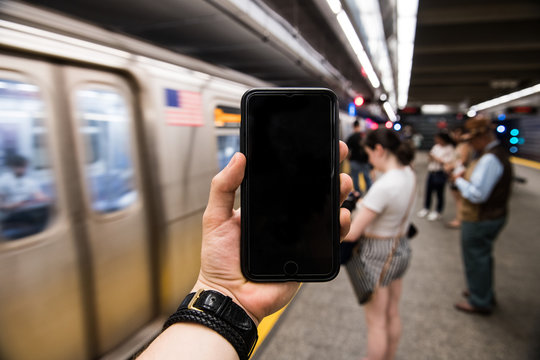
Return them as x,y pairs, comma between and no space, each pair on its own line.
220,254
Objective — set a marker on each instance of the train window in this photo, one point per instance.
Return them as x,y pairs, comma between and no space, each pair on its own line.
104,124
27,189
227,122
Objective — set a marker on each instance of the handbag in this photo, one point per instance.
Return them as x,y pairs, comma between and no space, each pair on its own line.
346,251
412,231
363,284
346,247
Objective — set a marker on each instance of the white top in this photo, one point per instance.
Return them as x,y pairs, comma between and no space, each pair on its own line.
17,189
445,153
389,196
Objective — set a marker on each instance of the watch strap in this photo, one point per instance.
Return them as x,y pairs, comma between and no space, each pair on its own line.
219,313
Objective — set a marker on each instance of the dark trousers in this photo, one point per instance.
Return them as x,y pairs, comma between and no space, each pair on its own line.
477,240
358,168
436,181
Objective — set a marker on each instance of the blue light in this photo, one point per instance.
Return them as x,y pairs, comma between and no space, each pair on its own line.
514,140
352,109
514,132
513,149
501,117
501,129
397,127
521,141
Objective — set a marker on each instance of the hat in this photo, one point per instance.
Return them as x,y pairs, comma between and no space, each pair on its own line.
476,126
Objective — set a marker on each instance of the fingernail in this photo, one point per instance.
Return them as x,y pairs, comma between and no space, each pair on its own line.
233,160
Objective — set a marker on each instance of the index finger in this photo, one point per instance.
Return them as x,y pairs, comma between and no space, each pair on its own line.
343,151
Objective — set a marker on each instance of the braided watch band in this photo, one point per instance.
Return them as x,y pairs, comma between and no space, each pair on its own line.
219,313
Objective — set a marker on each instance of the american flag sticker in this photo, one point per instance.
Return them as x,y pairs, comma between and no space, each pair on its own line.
183,108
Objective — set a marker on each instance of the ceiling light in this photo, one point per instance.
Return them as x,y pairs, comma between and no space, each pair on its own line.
435,109
406,28
389,111
354,41
335,6
366,14
506,98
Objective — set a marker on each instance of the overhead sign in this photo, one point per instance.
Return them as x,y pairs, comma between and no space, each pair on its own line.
521,110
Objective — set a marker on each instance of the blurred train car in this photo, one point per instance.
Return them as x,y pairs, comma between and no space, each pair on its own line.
122,139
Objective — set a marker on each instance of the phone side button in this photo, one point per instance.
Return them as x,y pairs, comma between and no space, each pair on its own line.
290,268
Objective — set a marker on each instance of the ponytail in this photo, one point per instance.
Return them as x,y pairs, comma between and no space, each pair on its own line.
389,140
405,153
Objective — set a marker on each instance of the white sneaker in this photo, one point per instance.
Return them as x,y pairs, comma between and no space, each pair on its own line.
433,215
422,213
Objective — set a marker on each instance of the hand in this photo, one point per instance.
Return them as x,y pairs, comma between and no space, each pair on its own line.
220,254
456,175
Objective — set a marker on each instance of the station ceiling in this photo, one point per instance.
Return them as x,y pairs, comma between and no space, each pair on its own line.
466,51
469,51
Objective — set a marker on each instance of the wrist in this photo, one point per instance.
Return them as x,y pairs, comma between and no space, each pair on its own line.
203,283
217,311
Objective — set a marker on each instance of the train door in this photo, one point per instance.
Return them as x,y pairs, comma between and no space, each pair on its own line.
42,309
102,120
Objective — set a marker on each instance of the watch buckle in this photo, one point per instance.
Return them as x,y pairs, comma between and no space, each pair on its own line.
193,299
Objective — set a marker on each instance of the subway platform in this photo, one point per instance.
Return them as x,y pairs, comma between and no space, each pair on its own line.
324,321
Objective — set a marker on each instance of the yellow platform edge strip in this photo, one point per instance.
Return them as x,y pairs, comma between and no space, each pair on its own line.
525,162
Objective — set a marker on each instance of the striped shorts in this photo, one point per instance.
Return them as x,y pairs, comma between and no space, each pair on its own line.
368,260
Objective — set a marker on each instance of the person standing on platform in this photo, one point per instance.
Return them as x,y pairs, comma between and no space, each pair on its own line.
358,159
439,155
462,156
485,187
383,248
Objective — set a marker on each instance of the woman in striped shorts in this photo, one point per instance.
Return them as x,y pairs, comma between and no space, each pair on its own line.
379,227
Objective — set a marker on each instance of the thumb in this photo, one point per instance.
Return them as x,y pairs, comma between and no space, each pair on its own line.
223,189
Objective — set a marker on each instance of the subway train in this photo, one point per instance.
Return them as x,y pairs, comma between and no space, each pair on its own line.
115,142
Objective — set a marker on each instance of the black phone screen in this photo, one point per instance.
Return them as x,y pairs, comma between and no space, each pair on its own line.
290,192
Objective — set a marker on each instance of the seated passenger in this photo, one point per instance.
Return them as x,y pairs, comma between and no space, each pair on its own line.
23,206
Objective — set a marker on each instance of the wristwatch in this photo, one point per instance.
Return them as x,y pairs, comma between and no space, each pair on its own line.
219,313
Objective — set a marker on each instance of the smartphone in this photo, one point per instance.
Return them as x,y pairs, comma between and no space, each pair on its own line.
290,191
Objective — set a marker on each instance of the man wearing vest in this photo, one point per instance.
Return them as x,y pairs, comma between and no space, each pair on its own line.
485,187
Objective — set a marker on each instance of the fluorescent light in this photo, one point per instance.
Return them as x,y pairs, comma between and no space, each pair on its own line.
506,98
356,44
389,111
367,16
435,109
407,8
406,28
335,6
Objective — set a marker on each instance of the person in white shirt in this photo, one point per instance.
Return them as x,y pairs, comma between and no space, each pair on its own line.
16,188
440,154
24,208
383,247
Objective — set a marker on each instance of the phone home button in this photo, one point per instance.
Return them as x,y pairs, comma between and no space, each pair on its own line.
290,268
